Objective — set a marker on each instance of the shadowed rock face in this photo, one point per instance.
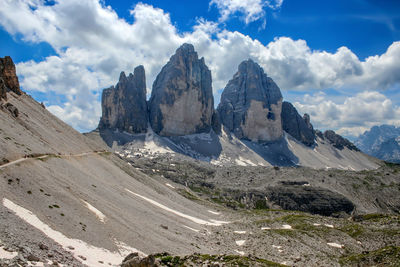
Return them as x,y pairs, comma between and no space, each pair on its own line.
297,196
310,199
181,101
338,141
124,106
298,127
251,105
8,78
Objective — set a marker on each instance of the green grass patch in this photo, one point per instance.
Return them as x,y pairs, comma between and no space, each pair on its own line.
353,230
387,256
208,260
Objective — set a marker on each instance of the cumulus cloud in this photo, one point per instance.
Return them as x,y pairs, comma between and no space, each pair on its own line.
350,117
252,10
94,46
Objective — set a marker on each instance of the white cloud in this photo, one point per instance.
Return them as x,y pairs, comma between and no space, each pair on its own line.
251,10
352,116
94,46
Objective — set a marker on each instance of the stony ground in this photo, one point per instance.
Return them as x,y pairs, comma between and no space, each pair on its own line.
371,191
254,235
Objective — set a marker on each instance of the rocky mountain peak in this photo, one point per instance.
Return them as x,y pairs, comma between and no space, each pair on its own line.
251,104
124,106
8,78
299,128
181,101
338,141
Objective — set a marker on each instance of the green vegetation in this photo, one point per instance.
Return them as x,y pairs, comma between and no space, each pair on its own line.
202,259
187,194
353,230
387,256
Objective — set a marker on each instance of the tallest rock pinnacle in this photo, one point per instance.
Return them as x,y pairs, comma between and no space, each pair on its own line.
181,101
251,105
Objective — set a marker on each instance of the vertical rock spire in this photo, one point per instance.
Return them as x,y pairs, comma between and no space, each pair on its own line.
181,101
251,105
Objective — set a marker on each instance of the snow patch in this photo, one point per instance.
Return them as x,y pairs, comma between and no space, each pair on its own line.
240,242
190,228
92,254
329,225
286,227
244,162
214,212
265,228
99,214
239,232
239,252
4,254
169,185
191,218
335,245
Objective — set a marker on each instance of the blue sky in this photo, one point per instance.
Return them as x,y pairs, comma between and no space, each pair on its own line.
337,60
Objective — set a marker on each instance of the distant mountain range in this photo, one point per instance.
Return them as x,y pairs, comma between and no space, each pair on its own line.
382,142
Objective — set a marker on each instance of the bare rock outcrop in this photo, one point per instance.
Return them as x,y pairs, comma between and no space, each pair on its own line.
124,106
298,127
8,78
338,141
181,101
251,105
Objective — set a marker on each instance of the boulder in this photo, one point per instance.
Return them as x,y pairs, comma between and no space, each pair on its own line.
298,127
182,101
124,106
134,260
251,105
12,109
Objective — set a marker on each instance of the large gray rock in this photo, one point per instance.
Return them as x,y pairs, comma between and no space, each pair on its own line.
181,101
8,78
124,106
251,105
298,127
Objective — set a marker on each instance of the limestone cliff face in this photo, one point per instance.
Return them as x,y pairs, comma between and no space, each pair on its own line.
124,106
8,78
181,101
251,105
298,127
